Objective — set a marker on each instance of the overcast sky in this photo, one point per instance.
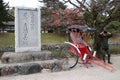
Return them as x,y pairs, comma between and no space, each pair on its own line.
26,3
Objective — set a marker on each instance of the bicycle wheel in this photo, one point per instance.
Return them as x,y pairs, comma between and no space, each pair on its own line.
71,58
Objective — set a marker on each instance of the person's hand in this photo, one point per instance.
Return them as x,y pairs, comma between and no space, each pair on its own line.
102,32
108,32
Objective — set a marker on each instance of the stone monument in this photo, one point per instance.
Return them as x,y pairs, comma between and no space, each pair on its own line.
27,29
28,57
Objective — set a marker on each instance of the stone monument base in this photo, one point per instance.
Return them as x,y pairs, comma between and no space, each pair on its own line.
28,62
13,57
26,68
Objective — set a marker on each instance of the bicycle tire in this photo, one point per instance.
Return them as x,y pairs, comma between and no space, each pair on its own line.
77,58
71,58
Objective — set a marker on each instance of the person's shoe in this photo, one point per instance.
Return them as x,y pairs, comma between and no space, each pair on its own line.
109,62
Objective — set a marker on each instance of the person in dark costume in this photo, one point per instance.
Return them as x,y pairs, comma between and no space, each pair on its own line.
104,36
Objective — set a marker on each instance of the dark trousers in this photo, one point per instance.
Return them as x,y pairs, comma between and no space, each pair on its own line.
106,51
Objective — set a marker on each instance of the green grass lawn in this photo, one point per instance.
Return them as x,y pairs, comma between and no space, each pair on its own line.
50,38
8,39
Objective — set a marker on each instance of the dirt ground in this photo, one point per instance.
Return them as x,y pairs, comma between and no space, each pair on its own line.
77,73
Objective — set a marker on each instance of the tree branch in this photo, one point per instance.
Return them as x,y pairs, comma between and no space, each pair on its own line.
82,4
73,4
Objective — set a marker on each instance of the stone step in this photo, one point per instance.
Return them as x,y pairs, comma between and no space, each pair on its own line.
30,67
13,57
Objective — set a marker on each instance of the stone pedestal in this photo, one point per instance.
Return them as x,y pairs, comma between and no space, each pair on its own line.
13,57
28,62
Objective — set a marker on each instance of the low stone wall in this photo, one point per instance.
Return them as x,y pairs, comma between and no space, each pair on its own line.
7,49
52,47
55,47
49,47
60,48
116,45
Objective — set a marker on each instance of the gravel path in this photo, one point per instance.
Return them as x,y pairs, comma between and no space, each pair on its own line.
77,73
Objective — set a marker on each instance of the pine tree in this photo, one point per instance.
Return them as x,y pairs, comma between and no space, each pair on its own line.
3,13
